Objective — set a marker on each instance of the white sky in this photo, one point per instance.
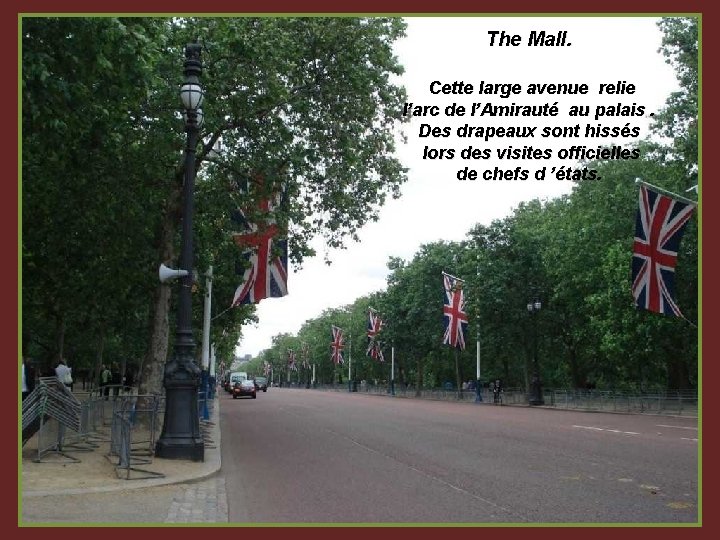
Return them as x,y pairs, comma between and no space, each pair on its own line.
434,204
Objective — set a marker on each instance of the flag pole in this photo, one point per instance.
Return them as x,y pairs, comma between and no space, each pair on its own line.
349,361
205,373
392,371
478,383
666,192
453,277
457,374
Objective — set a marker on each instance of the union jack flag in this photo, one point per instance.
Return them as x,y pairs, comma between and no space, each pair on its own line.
374,350
305,354
375,324
454,315
659,225
291,360
337,345
266,273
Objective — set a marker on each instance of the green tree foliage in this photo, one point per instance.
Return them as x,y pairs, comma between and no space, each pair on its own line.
678,120
87,205
307,104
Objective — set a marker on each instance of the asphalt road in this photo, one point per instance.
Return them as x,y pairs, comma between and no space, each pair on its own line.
307,456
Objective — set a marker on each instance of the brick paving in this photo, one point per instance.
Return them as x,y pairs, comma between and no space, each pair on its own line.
201,502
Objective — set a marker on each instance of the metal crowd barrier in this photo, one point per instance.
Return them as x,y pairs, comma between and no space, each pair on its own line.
133,435
676,402
47,412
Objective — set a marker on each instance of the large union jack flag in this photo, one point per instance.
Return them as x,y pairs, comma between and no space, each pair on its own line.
305,355
292,366
337,345
265,274
454,315
659,226
374,326
374,350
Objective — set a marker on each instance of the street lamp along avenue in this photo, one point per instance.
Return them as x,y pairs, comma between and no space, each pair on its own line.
536,395
180,437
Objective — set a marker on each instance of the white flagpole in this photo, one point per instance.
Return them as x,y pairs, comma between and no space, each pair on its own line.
453,277
205,377
392,370
206,321
667,192
349,362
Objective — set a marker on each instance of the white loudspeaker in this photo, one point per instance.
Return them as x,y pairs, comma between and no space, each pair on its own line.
170,273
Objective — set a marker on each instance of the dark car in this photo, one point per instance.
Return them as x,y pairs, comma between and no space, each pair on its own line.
261,383
244,388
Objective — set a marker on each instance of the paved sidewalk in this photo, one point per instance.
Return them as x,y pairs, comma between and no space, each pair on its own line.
96,471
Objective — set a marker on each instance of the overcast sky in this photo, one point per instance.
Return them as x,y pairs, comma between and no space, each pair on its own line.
434,204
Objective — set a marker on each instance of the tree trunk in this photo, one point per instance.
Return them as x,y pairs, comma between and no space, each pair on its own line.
526,371
59,339
151,371
418,379
152,368
678,373
576,374
95,379
458,379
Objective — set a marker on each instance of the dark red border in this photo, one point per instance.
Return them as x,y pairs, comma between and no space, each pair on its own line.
365,6
8,215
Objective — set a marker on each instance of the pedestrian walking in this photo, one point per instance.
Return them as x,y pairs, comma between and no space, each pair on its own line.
28,377
115,379
105,378
64,373
129,379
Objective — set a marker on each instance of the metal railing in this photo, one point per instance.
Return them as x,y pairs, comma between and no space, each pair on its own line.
133,434
671,402
48,413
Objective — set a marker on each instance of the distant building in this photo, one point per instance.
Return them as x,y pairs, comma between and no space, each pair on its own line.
239,361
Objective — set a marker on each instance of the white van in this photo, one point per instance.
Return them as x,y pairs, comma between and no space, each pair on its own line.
237,376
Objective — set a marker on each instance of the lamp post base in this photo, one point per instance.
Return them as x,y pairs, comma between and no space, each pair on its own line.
181,437
536,397
180,448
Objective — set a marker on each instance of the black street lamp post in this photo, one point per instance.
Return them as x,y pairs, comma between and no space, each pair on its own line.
478,382
180,437
536,395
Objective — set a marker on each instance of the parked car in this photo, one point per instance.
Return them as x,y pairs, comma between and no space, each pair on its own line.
246,387
261,383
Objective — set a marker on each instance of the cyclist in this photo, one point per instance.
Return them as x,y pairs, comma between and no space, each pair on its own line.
497,392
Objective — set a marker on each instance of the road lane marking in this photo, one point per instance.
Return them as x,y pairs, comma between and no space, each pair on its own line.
680,505
593,428
677,427
688,439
